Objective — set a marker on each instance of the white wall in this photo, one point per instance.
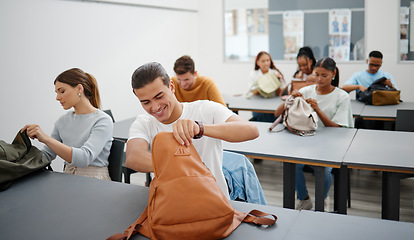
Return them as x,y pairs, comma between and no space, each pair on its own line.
41,38
381,33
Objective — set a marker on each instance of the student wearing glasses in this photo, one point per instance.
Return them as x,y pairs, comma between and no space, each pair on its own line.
360,81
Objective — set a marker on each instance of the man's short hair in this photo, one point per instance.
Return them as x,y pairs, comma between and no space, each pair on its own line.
184,65
375,54
147,73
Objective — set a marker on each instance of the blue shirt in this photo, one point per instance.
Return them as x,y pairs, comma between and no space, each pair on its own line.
365,78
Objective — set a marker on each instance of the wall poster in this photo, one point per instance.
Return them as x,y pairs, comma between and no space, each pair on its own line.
293,24
339,34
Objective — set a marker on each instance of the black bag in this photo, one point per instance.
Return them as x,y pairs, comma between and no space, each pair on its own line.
379,94
19,159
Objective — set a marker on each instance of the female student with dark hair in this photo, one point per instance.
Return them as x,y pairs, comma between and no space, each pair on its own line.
306,63
83,137
263,65
333,107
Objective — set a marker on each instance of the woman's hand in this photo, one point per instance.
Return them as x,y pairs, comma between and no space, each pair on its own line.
314,104
34,131
296,93
298,75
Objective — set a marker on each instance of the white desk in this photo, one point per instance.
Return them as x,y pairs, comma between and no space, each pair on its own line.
388,151
254,104
384,113
326,149
50,205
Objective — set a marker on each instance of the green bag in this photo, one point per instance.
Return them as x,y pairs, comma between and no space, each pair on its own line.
268,84
19,158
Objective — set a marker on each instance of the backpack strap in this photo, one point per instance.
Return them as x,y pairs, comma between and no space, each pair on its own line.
132,229
276,122
260,218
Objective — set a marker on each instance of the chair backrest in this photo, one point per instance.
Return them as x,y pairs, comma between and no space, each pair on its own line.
405,120
115,160
109,112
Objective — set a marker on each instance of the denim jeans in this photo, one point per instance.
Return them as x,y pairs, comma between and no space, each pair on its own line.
301,189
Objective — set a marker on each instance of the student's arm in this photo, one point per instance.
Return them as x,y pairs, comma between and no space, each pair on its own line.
235,129
138,157
279,110
350,88
34,131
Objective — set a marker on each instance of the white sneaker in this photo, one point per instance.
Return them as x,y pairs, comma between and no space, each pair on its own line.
304,204
326,205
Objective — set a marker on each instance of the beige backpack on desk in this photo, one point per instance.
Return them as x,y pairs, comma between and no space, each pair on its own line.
298,116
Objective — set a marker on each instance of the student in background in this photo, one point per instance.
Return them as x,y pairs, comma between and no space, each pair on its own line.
189,86
189,122
306,63
360,81
333,108
263,65
82,137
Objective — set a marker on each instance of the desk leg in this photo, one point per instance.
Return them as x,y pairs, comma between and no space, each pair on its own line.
391,196
342,191
289,173
319,187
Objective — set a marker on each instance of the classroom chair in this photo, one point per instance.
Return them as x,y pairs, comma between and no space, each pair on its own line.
405,120
115,160
109,112
126,171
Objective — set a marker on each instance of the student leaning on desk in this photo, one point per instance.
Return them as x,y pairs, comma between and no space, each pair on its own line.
188,121
333,108
83,137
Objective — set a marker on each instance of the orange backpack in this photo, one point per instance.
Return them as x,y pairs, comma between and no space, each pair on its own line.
185,202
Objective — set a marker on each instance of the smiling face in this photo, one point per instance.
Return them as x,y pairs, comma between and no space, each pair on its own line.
159,101
324,76
67,95
187,80
305,65
264,63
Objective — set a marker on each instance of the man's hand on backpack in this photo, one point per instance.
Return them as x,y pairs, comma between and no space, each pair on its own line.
184,130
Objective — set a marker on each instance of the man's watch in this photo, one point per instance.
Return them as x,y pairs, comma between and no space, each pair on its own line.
201,132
